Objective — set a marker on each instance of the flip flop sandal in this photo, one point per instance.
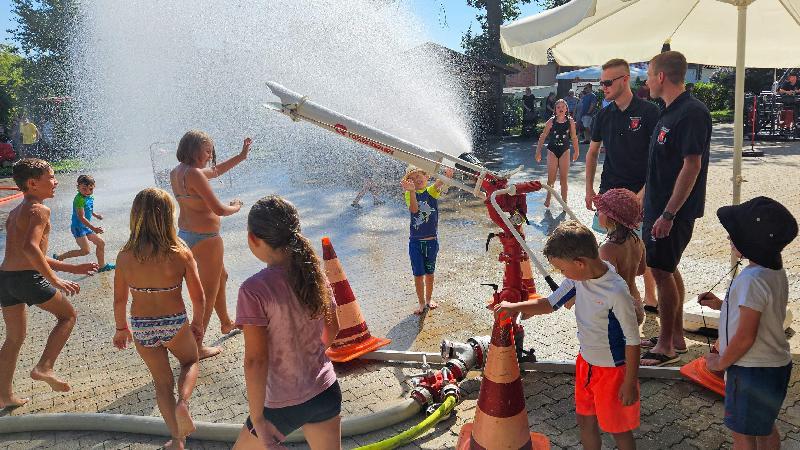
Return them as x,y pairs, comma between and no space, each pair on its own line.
653,341
661,358
651,308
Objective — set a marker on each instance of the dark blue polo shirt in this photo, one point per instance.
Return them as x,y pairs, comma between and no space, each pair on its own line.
626,137
683,129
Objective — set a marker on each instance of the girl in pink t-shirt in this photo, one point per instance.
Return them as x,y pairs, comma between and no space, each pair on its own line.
289,319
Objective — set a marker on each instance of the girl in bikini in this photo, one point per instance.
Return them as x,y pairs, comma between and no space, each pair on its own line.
199,220
153,265
562,128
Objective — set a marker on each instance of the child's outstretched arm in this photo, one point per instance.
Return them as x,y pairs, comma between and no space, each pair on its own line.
204,191
439,184
230,163
123,335
40,217
81,213
408,187
196,295
528,308
97,216
628,391
542,137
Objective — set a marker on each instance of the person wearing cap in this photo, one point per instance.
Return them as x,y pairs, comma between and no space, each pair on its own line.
675,195
423,245
620,213
624,129
753,349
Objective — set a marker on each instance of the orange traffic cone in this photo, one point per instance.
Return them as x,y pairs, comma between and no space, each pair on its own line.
353,339
698,372
501,419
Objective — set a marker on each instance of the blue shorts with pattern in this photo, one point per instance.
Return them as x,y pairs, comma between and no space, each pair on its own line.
423,256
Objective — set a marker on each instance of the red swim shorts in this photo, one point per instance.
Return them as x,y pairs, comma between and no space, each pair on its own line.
597,394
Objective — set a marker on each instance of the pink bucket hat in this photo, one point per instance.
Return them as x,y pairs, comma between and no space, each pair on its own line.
622,206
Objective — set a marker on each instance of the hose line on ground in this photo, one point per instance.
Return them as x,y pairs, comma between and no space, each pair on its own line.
416,431
223,432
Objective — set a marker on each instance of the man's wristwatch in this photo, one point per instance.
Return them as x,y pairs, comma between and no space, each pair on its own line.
666,215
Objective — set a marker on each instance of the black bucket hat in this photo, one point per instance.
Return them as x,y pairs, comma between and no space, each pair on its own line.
759,228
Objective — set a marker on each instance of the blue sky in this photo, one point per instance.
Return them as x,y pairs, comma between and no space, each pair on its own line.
445,20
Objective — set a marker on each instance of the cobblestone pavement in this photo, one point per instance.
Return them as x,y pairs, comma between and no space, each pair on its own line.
371,245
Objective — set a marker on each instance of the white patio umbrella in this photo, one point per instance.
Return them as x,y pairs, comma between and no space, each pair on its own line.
739,33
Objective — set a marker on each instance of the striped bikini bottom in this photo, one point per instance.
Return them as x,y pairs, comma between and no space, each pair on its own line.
155,331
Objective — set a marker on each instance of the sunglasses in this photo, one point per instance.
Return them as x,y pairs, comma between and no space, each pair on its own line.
608,83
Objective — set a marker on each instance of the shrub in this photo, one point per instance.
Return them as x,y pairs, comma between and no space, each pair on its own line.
715,96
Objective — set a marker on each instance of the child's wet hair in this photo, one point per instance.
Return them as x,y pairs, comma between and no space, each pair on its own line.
86,180
276,222
27,169
153,235
190,145
571,240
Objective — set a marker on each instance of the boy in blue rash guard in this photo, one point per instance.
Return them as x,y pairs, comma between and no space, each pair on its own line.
423,245
81,227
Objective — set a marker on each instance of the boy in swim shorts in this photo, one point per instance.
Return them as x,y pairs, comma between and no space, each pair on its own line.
82,228
27,278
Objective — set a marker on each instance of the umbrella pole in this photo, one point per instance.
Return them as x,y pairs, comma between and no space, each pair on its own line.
738,111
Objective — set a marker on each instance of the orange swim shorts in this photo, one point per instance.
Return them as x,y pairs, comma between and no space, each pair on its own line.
597,394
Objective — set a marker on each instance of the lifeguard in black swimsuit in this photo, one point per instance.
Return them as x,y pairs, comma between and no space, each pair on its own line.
561,129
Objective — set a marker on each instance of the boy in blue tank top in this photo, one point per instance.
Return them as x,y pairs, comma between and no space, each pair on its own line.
82,229
423,245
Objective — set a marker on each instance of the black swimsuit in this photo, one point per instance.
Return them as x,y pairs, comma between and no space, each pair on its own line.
559,137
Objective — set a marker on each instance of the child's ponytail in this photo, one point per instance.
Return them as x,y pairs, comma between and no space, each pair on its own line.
276,222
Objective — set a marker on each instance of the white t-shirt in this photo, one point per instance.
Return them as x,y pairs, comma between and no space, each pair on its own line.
605,316
766,291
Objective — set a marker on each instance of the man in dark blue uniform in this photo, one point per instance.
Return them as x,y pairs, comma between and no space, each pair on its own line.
624,128
675,195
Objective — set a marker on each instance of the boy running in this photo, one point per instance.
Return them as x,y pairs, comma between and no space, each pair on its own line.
606,370
81,227
27,278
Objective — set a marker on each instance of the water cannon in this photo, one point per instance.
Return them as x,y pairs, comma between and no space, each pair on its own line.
473,176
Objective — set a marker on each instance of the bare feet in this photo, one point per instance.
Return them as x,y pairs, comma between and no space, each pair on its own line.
13,402
420,309
184,418
226,328
432,305
174,444
208,352
49,377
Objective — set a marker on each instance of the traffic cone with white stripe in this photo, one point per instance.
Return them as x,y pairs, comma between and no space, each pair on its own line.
353,339
501,419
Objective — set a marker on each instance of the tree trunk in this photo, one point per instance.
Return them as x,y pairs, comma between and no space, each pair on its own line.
494,18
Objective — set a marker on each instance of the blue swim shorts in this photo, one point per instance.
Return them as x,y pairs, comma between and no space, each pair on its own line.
423,256
80,231
753,397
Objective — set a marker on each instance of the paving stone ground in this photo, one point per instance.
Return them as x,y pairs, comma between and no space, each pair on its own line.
371,245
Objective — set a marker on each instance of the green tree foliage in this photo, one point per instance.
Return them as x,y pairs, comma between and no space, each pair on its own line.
714,95
11,83
479,44
44,29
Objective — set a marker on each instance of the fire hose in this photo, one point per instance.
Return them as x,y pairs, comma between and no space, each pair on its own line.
442,412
